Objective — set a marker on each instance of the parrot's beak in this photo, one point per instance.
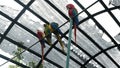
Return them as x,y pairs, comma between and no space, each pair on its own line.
67,8
37,30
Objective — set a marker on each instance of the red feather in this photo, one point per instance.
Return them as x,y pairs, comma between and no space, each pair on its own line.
41,38
72,12
75,27
42,53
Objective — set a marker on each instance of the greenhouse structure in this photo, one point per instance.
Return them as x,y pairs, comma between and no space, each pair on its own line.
44,34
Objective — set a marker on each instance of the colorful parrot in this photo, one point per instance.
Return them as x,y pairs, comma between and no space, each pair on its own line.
47,33
54,28
40,36
72,11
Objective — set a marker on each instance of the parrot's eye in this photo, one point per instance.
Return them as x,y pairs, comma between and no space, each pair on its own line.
44,25
67,8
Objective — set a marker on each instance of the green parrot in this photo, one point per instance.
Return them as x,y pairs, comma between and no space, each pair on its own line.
47,33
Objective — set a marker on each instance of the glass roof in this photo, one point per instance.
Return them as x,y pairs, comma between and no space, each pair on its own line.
98,34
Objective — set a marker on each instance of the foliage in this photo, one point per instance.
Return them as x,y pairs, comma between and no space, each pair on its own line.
12,66
31,64
19,58
41,66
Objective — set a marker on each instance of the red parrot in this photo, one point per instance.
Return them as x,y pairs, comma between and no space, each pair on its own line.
40,36
72,11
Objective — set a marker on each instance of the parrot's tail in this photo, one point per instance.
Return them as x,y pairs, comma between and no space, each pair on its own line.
75,27
49,41
42,53
60,41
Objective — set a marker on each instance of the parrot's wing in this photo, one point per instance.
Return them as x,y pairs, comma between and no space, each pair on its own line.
75,21
46,30
74,12
55,26
48,34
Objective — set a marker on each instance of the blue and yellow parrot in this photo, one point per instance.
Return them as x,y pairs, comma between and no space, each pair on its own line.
54,28
47,33
40,36
72,11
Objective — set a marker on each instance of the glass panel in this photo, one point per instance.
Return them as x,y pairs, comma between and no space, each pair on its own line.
96,8
74,51
115,53
25,1
82,57
30,58
11,8
48,64
3,60
82,15
105,61
96,34
116,14
60,4
106,38
40,7
117,37
86,3
7,48
20,35
114,2
10,50
109,24
107,3
4,24
61,58
86,44
93,64
31,21
7,65
65,27
37,48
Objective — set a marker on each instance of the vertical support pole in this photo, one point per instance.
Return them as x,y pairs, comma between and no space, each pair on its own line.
69,43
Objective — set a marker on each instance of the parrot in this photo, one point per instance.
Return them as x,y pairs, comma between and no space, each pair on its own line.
72,12
40,36
54,28
47,33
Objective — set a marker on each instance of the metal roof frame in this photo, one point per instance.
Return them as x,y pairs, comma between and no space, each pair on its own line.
26,7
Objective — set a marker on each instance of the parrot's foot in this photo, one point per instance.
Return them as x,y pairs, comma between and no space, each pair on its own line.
50,44
65,44
63,50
